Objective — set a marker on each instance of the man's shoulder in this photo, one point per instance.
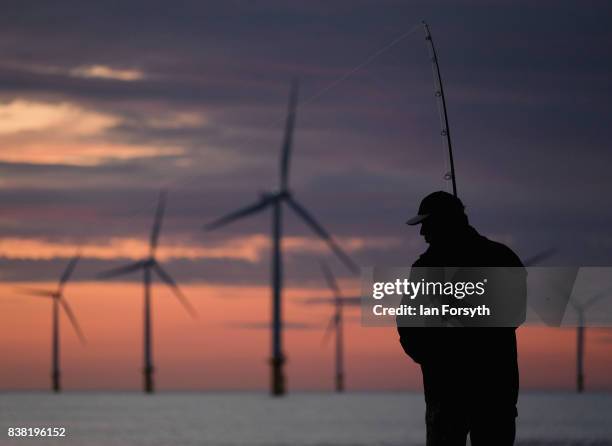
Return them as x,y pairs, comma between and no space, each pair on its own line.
423,260
501,254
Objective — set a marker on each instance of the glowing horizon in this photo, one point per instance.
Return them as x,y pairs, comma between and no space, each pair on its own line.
223,349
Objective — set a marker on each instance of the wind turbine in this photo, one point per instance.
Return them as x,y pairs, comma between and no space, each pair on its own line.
148,266
339,301
336,323
274,200
581,309
59,300
538,258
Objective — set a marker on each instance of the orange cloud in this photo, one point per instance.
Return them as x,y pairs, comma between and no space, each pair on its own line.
81,154
249,248
85,71
23,116
106,72
65,133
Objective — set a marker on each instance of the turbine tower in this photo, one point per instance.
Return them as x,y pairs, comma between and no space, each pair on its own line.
275,200
148,266
59,300
581,309
336,323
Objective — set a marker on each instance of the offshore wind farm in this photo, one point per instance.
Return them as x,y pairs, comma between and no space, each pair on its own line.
133,138
148,264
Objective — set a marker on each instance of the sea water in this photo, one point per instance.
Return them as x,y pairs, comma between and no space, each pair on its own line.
299,419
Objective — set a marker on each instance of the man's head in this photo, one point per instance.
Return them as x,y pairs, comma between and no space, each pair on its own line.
441,215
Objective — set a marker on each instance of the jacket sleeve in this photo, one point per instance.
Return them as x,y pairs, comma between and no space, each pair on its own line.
412,339
516,288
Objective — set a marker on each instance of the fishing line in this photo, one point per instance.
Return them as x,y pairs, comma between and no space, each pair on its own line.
348,74
335,83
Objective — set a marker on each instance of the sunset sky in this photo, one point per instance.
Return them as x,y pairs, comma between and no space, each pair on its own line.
104,103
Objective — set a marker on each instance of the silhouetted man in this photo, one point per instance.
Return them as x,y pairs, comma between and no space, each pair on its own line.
470,375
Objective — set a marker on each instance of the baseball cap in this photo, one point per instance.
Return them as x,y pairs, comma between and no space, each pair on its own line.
437,203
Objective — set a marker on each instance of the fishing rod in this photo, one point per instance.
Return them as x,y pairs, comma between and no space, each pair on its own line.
441,101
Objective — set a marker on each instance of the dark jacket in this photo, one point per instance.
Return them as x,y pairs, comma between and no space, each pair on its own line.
468,366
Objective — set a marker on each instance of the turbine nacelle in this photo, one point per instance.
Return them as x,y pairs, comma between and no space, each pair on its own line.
150,263
58,296
270,197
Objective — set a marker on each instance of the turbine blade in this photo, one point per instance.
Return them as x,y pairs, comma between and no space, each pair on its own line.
73,319
288,138
351,301
157,222
164,276
331,280
605,339
35,292
317,301
539,257
317,228
120,271
575,305
333,321
245,211
596,298
68,271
